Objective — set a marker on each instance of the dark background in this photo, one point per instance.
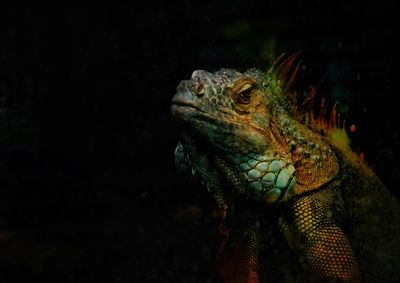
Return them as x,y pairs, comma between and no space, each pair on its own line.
88,190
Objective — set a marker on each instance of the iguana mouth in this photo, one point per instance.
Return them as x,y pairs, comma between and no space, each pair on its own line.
182,105
186,112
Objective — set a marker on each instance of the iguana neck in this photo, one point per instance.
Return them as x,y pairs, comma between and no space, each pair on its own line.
315,162
301,141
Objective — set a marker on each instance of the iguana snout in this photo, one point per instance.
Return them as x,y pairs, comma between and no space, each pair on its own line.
204,92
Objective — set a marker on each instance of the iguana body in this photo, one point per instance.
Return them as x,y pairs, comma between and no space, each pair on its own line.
299,205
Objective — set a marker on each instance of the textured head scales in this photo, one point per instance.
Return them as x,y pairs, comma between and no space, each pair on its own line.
239,131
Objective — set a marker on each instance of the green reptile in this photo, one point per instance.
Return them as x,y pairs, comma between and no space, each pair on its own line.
299,205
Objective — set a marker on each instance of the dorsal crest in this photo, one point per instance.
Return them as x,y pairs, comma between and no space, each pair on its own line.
311,109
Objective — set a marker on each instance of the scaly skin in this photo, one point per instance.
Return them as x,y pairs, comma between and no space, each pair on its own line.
299,206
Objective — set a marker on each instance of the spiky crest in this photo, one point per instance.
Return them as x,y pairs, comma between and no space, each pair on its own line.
282,75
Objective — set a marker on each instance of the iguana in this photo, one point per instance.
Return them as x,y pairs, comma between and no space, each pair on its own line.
299,205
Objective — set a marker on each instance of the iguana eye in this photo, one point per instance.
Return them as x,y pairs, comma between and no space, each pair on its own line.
244,95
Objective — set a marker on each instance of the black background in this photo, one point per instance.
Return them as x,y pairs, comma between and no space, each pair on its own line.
88,190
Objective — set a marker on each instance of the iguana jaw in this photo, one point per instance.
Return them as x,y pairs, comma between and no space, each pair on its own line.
262,175
187,112
225,131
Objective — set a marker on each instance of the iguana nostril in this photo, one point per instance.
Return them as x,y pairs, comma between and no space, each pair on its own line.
199,89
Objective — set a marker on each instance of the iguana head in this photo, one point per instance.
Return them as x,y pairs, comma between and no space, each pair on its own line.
227,110
229,117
